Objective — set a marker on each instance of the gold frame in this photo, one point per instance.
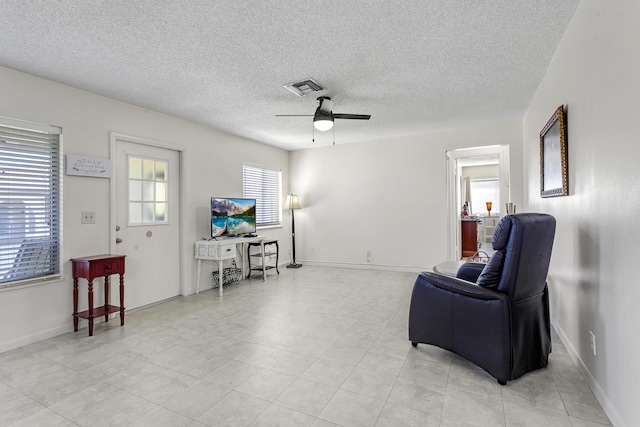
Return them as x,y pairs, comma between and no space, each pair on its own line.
554,169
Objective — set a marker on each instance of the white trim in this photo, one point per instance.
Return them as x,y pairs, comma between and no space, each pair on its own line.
363,266
33,126
608,407
38,336
259,166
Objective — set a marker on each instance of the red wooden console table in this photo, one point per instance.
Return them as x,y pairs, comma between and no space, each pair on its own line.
89,268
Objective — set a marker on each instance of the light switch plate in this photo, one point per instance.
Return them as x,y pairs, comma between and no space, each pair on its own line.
88,217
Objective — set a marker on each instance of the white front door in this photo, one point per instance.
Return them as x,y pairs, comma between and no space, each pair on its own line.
147,220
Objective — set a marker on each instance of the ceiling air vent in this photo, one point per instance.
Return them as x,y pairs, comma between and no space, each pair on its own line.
304,87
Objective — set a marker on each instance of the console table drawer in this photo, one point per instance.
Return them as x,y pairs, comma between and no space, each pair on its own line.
215,250
224,251
107,268
97,266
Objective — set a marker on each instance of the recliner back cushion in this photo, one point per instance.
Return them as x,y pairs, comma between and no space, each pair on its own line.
490,276
502,233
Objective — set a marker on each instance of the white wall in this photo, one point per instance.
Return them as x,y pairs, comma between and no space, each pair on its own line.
387,196
593,278
28,314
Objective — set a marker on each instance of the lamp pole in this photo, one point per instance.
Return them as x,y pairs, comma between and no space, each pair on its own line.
292,203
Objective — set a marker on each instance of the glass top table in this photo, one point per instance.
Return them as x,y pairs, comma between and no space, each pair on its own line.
448,268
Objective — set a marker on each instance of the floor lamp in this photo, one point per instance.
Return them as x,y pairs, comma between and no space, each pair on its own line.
293,204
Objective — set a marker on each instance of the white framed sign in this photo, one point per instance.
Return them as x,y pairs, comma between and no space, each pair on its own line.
88,166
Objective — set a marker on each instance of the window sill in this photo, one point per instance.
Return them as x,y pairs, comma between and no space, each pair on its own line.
14,286
268,227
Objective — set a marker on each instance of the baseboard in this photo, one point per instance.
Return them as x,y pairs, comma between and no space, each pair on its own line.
30,339
598,392
366,266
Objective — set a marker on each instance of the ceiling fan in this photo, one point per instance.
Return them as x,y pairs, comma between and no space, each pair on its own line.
324,115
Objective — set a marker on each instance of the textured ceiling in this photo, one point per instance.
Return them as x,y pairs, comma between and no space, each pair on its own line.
415,66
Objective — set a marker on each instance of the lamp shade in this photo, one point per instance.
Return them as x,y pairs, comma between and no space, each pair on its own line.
292,202
322,121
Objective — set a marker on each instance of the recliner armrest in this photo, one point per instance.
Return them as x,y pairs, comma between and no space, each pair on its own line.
470,271
460,286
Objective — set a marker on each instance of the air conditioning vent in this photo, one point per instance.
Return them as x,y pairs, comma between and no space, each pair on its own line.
304,87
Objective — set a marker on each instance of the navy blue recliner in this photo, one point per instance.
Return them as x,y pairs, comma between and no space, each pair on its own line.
494,315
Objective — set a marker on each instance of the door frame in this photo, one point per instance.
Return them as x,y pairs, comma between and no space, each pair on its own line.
182,154
453,187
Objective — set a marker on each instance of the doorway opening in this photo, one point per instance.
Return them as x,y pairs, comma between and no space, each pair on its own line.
488,169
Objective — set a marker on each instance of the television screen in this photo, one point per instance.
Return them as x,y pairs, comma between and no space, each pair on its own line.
232,217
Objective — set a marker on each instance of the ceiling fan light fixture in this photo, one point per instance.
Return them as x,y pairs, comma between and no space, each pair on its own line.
322,122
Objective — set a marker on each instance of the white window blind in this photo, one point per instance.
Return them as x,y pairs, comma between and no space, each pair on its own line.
264,185
29,202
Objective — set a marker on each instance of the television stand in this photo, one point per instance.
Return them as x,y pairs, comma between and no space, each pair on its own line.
220,250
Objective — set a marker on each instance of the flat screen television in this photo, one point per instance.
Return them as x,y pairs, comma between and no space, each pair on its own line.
232,216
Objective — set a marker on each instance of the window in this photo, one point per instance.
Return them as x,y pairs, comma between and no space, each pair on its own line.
483,191
29,202
264,185
148,191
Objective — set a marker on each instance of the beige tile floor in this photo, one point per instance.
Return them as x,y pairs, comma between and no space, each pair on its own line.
311,347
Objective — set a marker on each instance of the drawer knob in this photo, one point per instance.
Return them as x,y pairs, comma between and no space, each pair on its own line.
107,267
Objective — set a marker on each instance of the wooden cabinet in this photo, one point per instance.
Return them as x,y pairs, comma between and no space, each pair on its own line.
469,233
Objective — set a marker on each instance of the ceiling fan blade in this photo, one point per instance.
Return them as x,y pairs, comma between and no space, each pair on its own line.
326,106
352,116
294,115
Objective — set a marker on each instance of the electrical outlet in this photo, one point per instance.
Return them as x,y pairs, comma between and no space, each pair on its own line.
592,336
88,217
369,255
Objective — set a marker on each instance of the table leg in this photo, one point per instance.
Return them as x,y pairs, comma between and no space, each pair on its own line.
198,276
220,278
249,259
106,296
242,257
264,268
90,307
122,300
75,304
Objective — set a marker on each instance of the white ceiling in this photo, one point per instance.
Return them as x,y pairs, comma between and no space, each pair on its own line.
415,66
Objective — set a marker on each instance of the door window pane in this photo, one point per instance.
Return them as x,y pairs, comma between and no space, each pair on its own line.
135,168
135,190
148,184
147,169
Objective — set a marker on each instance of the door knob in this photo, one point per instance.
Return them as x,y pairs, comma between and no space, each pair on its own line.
118,240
